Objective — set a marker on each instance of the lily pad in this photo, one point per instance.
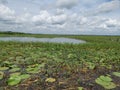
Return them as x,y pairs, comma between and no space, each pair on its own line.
91,65
1,75
14,80
116,74
8,63
15,74
32,70
24,76
4,68
41,65
13,66
105,78
80,88
14,69
51,80
106,82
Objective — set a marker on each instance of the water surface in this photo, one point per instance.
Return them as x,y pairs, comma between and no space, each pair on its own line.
51,40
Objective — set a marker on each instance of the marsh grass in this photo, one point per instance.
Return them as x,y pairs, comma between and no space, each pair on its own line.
80,63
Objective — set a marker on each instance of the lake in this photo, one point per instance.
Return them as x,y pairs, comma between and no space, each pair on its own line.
51,40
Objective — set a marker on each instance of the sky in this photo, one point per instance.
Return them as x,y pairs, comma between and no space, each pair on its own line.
91,17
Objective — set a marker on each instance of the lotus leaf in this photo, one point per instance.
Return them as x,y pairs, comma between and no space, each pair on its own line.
106,82
51,80
15,74
116,74
80,88
24,76
4,68
14,80
32,70
91,65
41,65
105,78
14,69
7,63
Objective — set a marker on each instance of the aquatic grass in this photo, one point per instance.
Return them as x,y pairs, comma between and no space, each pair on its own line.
62,62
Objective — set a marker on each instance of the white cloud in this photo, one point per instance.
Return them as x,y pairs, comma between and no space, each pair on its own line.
43,17
61,20
10,21
60,11
26,17
5,11
104,8
112,23
46,18
66,3
104,25
7,16
109,6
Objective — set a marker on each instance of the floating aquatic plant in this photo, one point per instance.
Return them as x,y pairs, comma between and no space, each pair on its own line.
116,74
15,74
14,69
4,68
34,68
51,80
1,75
80,88
24,76
18,61
106,82
15,78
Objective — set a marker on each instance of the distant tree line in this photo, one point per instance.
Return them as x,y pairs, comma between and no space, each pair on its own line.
10,32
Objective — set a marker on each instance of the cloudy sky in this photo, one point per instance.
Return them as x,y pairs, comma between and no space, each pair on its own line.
61,16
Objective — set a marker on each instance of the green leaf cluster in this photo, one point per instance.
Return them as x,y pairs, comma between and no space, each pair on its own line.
15,78
106,82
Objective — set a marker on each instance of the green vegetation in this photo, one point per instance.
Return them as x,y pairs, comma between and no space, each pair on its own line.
106,82
15,78
50,66
1,75
116,74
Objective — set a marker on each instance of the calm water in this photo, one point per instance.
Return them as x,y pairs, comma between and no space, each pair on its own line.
32,39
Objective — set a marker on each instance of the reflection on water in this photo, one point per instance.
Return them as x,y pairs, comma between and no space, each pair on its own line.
32,39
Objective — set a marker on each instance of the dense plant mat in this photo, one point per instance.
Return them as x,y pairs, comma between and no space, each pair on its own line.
49,66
